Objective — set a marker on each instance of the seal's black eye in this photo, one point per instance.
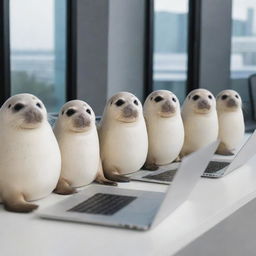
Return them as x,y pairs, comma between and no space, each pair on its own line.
136,102
9,105
151,98
223,97
38,105
120,102
174,100
210,96
236,96
88,111
196,97
158,98
18,107
70,112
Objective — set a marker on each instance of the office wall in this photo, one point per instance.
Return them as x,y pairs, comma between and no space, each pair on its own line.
126,46
215,45
92,52
110,49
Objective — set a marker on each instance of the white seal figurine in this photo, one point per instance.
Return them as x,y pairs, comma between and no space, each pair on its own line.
231,121
77,136
165,128
200,120
123,136
30,160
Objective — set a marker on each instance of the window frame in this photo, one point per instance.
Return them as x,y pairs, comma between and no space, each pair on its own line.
149,47
4,51
71,59
200,50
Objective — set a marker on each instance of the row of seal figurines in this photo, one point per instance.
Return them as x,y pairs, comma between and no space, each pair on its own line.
36,159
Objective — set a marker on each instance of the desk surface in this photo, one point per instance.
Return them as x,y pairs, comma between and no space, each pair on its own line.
233,236
211,201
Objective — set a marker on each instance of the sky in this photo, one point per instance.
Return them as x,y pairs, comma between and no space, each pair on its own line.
239,9
31,24
171,5
31,21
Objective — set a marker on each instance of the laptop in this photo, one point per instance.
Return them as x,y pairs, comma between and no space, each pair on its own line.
220,168
132,209
164,175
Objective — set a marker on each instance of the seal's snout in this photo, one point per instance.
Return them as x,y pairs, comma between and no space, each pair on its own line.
33,116
81,121
204,104
231,103
168,107
129,111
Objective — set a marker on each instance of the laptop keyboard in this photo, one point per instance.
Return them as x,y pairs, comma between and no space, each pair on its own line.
104,204
215,166
164,176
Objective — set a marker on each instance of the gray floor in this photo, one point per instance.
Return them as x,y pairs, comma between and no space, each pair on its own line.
234,236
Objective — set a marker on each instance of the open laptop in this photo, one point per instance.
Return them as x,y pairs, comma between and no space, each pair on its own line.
164,175
215,168
132,209
220,168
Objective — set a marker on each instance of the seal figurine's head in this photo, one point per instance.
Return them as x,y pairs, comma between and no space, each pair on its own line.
76,116
161,103
228,100
23,111
123,107
199,101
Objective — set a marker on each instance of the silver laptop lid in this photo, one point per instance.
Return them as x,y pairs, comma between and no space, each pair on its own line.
189,172
247,151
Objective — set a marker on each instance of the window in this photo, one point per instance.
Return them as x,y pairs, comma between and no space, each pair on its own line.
38,50
170,46
243,49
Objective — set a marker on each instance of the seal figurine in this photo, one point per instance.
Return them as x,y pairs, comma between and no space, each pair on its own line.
123,137
30,160
165,128
77,136
231,121
200,120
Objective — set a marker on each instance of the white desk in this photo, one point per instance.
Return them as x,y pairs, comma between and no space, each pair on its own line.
211,201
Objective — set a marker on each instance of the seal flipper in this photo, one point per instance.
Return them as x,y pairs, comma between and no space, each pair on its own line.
117,177
223,150
177,160
100,178
150,167
64,187
16,202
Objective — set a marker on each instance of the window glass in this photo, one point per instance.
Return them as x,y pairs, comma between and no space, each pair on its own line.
38,55
170,46
243,57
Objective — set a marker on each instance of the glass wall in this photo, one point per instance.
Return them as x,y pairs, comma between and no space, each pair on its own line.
170,46
243,49
38,50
